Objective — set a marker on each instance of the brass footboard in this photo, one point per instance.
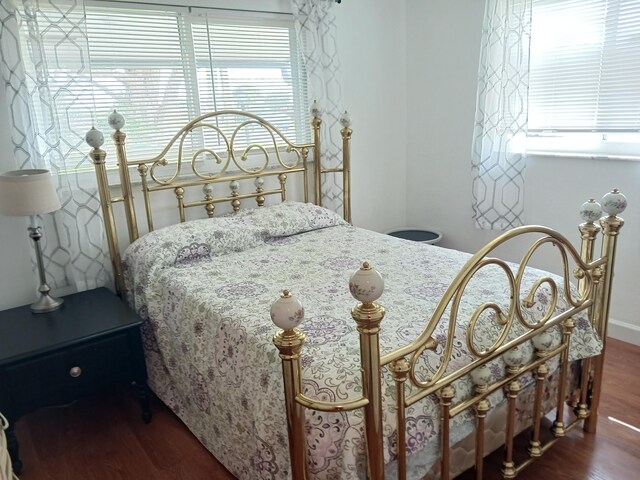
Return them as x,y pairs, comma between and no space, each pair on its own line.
594,277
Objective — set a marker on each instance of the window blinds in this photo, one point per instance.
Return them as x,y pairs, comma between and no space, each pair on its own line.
163,66
585,66
140,67
254,68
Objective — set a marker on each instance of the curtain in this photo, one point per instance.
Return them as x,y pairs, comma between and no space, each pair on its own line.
498,157
45,69
316,30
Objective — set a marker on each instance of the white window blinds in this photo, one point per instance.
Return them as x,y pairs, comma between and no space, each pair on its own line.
162,66
585,66
254,68
141,67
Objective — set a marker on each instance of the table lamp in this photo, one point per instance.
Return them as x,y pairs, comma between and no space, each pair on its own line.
31,192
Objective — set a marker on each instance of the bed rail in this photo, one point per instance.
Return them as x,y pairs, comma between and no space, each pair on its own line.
280,158
593,295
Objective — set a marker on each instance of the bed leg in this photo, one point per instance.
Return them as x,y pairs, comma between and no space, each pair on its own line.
591,423
582,411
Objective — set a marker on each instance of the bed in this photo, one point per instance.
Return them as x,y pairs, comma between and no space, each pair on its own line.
464,346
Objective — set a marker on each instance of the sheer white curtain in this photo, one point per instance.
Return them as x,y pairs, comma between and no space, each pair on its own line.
316,29
498,155
45,68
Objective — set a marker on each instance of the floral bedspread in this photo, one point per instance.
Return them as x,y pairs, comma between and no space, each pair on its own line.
204,289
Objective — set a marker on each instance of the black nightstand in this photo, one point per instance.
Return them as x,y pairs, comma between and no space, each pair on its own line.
417,235
91,343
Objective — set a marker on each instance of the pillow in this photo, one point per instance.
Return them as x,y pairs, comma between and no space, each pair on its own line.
188,243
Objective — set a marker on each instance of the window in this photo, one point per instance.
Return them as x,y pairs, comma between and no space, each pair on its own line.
162,66
584,85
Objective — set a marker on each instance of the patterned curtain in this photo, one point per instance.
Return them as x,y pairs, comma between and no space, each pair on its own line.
501,115
45,70
316,30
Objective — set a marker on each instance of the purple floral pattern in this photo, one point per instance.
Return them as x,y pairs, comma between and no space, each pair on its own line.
264,461
231,344
196,252
207,332
325,431
323,329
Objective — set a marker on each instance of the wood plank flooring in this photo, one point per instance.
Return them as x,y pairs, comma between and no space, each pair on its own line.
104,439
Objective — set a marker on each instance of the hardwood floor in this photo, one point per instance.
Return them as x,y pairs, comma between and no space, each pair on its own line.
104,439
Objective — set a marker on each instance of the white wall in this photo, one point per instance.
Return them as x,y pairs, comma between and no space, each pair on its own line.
17,281
373,55
443,48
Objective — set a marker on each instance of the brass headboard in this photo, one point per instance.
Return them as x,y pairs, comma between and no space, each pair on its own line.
230,167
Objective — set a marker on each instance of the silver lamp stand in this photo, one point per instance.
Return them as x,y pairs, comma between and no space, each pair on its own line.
46,303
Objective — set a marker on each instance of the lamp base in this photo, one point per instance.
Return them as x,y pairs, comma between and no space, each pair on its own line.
46,303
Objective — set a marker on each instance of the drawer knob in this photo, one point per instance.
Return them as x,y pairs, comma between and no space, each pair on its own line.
75,372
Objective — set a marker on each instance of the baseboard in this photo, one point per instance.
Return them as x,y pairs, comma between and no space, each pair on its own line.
624,331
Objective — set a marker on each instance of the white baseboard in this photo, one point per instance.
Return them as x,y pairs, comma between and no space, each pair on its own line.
627,332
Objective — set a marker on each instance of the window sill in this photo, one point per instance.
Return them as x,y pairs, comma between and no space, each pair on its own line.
586,156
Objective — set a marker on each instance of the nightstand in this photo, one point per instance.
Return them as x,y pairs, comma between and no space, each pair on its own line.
87,346
422,235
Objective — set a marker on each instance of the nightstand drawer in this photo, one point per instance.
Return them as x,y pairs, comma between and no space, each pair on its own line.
63,376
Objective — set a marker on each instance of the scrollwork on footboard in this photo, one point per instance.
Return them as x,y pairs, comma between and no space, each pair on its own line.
514,325
448,308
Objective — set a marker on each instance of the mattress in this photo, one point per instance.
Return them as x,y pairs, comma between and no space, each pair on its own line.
203,289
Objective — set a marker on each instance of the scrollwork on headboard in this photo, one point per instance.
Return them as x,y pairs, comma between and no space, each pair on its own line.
232,162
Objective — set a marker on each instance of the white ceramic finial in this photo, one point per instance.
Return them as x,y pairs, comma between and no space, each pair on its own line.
207,189
316,109
614,202
259,182
94,138
590,211
116,120
543,342
481,376
514,358
234,186
345,119
287,312
366,284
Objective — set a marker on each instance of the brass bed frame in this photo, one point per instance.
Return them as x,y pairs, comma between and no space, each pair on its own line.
594,274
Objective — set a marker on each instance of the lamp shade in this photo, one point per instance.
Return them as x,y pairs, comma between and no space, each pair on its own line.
27,192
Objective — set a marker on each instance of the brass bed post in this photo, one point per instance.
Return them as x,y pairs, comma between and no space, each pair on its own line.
612,203
400,369
589,212
481,378
366,286
446,397
345,121
286,313
508,469
117,121
559,429
95,139
317,167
